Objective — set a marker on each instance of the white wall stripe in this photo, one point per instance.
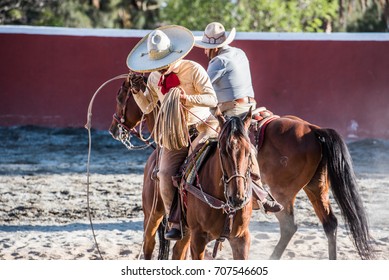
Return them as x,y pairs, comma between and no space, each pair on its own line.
135,33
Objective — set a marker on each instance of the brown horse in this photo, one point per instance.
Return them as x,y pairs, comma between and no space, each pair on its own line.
206,220
225,178
126,117
297,155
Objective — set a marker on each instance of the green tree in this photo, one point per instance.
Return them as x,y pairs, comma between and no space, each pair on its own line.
245,15
195,14
136,14
253,15
363,16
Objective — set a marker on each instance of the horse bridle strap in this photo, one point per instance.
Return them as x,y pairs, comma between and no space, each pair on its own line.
235,176
120,122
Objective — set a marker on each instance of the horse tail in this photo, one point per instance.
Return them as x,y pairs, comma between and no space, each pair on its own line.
345,189
164,244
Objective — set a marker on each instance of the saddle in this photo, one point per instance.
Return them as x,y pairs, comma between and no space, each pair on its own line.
260,119
187,177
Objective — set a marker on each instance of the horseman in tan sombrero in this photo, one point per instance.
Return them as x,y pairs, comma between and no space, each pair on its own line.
173,80
229,71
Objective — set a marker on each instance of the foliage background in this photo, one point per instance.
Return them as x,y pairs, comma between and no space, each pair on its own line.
245,15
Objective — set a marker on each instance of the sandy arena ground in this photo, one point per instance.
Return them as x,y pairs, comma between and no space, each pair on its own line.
43,203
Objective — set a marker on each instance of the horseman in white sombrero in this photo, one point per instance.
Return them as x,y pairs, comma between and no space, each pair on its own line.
229,71
172,79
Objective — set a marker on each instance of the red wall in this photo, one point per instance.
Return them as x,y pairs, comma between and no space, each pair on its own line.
49,80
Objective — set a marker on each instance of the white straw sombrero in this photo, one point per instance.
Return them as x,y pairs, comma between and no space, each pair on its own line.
160,48
214,37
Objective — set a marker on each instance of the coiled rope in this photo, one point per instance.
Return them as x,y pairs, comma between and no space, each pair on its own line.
171,130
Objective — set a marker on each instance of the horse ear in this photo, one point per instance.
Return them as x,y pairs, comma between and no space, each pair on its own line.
219,116
247,119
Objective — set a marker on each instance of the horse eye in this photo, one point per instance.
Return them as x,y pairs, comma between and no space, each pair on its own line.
120,97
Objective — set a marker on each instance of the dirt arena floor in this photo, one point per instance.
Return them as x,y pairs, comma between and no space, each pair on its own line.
43,202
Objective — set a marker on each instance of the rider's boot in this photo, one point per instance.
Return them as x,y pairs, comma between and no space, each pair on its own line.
266,199
174,233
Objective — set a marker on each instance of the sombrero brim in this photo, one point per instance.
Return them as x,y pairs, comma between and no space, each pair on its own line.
200,44
181,40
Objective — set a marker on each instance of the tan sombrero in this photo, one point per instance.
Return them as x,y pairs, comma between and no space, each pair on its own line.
214,37
160,48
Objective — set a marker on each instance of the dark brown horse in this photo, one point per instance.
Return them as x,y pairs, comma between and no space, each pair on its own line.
297,155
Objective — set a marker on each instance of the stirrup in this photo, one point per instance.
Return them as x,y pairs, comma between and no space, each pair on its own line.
174,233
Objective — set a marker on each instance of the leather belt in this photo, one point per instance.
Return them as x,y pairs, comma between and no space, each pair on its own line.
246,99
225,106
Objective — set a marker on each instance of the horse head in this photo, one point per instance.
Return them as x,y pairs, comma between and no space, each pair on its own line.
127,116
235,155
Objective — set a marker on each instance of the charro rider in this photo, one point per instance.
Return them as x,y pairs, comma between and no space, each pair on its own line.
229,71
161,52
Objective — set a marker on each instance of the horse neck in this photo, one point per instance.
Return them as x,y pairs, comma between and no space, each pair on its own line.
210,176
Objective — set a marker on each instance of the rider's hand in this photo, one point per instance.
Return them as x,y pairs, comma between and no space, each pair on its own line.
183,95
136,83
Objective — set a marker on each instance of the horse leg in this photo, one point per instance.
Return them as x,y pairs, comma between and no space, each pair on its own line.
180,249
288,228
317,192
151,223
240,246
198,242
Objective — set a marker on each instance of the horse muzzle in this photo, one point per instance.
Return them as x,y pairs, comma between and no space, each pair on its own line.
237,191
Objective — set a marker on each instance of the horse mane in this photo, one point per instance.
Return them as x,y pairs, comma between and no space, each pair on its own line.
234,127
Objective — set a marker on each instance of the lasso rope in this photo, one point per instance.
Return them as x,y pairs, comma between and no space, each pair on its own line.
171,130
88,126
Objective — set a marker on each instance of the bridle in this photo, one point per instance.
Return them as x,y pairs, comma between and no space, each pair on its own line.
125,133
228,207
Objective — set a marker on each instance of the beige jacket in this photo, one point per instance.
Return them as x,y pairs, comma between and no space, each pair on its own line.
194,80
